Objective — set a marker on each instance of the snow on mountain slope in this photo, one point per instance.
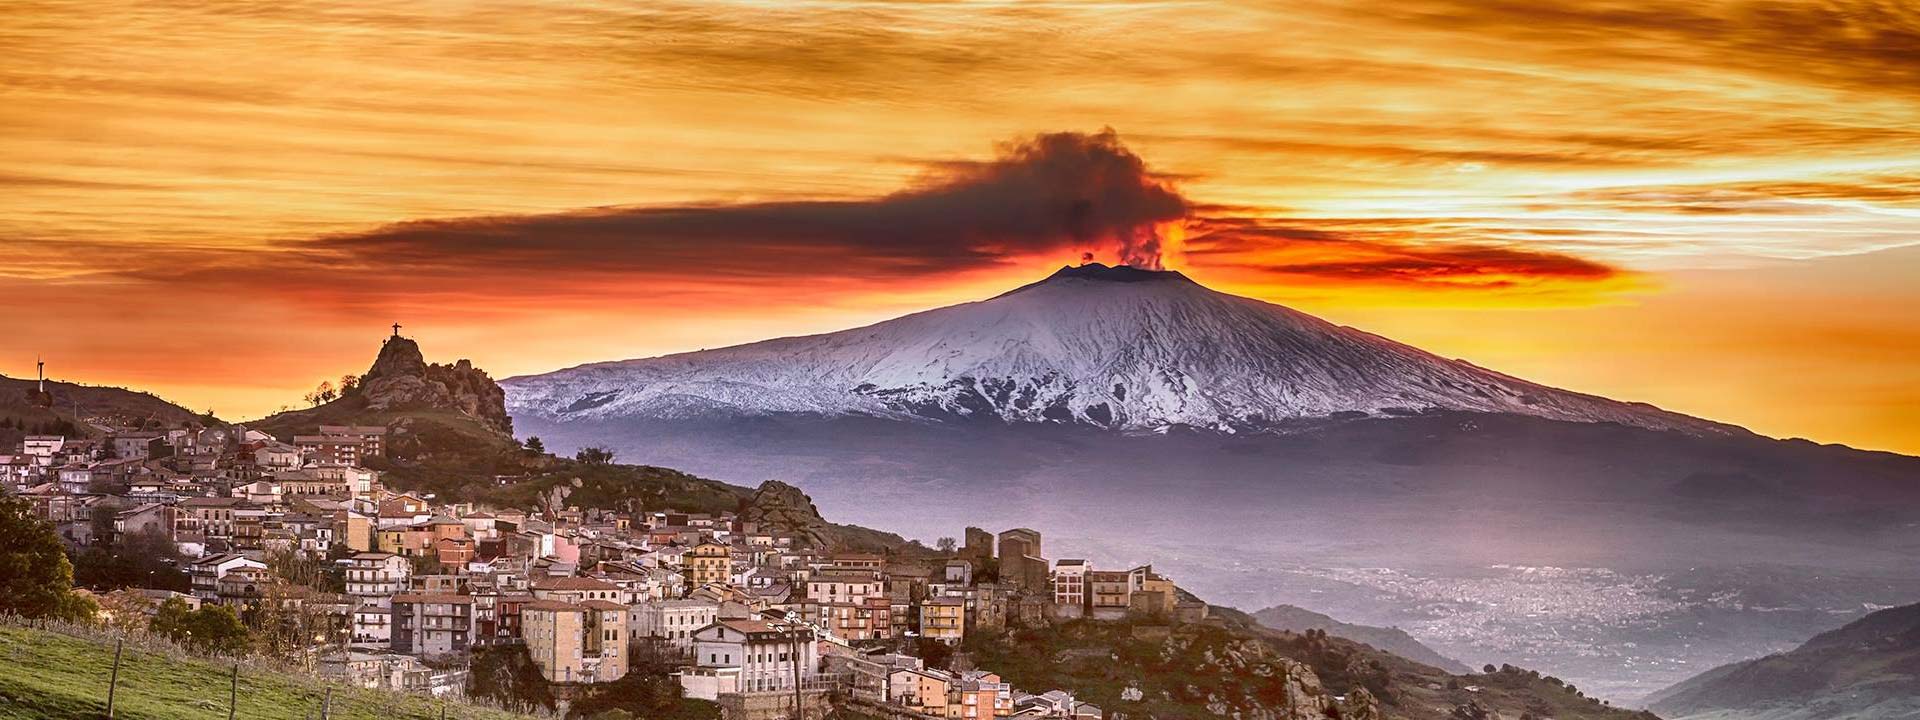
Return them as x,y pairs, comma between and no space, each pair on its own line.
1117,347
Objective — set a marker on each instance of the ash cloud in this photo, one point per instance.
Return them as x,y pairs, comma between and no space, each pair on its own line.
1398,252
1070,194
1055,192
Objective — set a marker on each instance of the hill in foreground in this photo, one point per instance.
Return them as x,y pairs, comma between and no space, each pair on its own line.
51,676
1867,670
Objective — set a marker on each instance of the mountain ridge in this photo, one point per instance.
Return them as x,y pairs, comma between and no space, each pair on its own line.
85,409
1114,347
1296,619
1868,669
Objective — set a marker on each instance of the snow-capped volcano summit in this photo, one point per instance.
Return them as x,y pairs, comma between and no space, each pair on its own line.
1114,347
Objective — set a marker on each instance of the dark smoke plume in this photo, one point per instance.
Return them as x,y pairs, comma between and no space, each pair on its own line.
1054,192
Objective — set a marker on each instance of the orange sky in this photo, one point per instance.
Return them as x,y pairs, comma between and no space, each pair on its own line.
1699,204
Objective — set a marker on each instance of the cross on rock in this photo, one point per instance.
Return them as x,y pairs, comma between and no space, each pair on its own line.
396,329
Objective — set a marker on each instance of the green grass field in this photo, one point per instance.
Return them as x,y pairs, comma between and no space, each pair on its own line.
56,677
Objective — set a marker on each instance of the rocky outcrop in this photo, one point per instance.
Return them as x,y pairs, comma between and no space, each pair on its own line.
1304,697
1360,705
784,508
1245,678
401,379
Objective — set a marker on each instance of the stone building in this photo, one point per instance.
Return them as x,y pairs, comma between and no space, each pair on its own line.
583,642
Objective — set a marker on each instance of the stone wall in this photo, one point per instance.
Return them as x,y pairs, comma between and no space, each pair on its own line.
775,705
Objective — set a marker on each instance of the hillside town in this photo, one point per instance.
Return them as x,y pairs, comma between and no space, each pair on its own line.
398,591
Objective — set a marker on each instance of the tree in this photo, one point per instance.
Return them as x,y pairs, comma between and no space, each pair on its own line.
507,676
936,654
217,628
348,384
36,579
124,610
1488,669
301,568
144,559
171,619
535,446
946,545
594,456
322,394
212,628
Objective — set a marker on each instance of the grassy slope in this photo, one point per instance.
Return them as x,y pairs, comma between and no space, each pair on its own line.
52,676
416,431
619,487
120,405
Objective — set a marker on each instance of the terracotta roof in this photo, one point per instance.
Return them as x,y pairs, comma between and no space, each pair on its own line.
211,502
749,627
573,583
846,574
434,598
604,605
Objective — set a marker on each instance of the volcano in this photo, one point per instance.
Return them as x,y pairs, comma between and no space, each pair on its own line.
1119,348
1263,456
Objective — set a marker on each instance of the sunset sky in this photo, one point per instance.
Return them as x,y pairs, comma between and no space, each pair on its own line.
1709,205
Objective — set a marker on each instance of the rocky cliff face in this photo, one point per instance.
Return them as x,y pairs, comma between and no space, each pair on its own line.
784,508
401,379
